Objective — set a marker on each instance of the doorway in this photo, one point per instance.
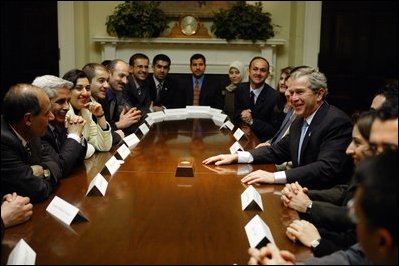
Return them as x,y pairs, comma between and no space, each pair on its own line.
29,41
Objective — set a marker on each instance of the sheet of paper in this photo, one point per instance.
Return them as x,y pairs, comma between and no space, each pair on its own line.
63,210
236,147
251,195
238,134
123,151
98,182
144,128
257,230
131,140
112,165
22,254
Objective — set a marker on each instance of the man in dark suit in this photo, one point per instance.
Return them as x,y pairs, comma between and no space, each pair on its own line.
137,91
63,134
321,161
201,89
27,167
255,100
119,115
163,90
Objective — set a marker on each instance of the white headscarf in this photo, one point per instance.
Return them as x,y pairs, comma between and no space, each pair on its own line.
240,67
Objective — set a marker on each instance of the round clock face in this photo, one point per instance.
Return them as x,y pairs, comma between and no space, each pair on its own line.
189,25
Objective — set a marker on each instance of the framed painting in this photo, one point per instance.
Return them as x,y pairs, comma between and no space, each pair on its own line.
201,9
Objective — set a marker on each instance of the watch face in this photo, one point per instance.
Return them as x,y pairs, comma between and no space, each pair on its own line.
189,25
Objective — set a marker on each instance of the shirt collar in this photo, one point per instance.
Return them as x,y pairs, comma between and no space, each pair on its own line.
24,142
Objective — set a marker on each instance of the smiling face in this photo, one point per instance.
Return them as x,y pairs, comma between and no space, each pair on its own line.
258,72
359,148
235,76
99,84
303,99
140,69
118,77
80,93
60,104
282,86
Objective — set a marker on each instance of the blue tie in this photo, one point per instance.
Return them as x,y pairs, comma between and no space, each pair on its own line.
303,132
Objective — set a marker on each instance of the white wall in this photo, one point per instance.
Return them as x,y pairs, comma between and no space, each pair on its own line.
80,21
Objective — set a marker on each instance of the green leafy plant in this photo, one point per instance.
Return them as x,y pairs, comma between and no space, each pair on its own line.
243,21
141,19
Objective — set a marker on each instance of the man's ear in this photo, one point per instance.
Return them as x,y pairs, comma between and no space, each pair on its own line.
320,94
385,243
28,119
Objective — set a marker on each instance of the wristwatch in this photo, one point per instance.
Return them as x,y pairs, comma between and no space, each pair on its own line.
309,207
314,244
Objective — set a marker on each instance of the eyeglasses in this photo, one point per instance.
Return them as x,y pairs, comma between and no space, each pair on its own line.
351,211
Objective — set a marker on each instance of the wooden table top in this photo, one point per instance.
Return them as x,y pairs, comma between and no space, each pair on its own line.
149,216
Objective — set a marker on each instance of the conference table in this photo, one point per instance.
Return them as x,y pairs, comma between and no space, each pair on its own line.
150,216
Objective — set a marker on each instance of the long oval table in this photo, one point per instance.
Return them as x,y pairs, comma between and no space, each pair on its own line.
150,216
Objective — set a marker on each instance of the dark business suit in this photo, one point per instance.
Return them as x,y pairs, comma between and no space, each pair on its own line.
210,93
71,153
134,96
169,94
352,256
16,172
266,120
323,159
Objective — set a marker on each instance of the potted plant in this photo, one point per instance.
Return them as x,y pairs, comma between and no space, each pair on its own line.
140,19
243,21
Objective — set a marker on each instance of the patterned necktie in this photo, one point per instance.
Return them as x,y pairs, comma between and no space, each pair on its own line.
196,93
303,132
252,100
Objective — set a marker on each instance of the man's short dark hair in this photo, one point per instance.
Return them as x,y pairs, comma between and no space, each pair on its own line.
197,56
161,57
19,100
137,56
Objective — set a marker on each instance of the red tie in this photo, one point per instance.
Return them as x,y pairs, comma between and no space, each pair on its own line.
196,93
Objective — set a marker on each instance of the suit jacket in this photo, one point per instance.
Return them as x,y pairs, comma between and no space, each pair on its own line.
352,256
266,120
169,94
323,159
16,172
210,93
136,97
329,207
70,153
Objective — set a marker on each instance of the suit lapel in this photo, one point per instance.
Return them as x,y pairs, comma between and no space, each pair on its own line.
317,119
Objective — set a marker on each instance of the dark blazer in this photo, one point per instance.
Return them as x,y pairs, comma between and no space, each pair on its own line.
210,94
71,153
352,256
323,159
169,94
136,97
16,173
266,120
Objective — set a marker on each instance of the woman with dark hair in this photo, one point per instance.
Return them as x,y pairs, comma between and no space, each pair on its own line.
98,135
